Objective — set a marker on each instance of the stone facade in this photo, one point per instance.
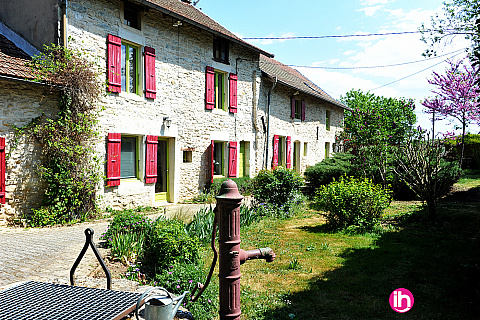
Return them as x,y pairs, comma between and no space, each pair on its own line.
20,103
183,52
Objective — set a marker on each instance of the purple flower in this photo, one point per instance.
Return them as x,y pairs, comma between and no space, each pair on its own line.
178,287
169,272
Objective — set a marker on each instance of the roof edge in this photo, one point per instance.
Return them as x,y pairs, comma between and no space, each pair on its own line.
333,101
201,26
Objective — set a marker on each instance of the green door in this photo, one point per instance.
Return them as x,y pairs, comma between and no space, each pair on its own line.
241,160
161,186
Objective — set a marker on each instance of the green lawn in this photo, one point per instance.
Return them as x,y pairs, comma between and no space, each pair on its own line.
323,275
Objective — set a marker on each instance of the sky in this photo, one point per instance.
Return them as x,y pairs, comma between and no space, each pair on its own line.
286,18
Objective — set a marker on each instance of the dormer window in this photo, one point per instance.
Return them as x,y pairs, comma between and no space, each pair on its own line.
131,15
220,50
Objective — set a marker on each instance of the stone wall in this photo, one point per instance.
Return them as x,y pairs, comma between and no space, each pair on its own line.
182,55
20,103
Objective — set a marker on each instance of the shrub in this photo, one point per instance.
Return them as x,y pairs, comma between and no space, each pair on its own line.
166,243
276,186
126,247
127,221
329,169
201,225
352,204
212,189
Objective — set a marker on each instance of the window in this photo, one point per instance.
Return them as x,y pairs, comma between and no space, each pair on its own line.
128,156
124,61
2,170
327,120
282,151
217,88
218,159
221,50
297,109
220,90
187,156
327,150
305,146
131,15
129,68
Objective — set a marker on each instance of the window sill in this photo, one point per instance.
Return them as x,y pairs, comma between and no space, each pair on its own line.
220,111
129,180
132,96
218,176
297,121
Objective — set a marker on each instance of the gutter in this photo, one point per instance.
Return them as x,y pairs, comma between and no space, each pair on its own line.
201,26
24,81
268,121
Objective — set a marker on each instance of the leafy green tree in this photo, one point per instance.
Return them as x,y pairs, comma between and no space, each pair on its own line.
376,119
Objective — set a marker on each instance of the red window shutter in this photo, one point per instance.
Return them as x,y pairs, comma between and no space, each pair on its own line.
232,157
114,159
114,61
289,152
233,92
151,159
276,139
212,160
292,108
150,82
303,110
210,88
2,170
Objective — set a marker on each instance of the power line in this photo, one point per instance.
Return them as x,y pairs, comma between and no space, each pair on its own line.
373,67
341,36
413,73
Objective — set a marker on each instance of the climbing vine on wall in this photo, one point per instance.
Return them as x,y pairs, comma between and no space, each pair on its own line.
70,167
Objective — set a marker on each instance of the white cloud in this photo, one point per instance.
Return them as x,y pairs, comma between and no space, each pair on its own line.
349,52
374,2
370,11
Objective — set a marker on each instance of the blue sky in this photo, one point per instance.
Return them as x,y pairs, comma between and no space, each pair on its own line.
279,18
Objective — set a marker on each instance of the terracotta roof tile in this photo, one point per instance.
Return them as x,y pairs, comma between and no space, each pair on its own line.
13,61
193,15
294,79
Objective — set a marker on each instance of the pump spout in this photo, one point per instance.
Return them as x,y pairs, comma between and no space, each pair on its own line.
262,253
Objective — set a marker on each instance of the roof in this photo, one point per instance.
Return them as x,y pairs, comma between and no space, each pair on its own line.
188,13
294,79
13,61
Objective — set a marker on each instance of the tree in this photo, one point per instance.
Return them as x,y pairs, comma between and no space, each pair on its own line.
456,95
374,119
461,17
421,165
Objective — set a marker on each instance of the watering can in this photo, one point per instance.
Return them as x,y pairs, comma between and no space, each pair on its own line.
159,307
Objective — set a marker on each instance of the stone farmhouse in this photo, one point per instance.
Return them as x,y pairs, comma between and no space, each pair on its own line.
187,101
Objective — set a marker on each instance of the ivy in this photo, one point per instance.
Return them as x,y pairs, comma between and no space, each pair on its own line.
69,166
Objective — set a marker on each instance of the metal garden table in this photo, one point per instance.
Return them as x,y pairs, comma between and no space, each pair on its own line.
46,301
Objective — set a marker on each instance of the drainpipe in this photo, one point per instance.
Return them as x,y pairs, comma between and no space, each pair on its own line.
64,23
268,122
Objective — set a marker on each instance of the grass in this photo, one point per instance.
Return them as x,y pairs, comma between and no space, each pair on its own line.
322,275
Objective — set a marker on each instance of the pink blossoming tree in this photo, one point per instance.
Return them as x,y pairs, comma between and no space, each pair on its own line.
456,96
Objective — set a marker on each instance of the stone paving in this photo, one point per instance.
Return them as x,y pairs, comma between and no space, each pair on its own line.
47,254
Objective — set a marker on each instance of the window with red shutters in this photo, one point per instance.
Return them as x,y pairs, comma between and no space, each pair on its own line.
233,92
2,170
289,153
232,159
276,140
113,159
150,82
151,159
114,61
303,110
210,88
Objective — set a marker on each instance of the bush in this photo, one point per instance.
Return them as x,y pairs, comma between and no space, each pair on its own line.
276,186
352,204
127,221
201,225
211,190
166,243
329,169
